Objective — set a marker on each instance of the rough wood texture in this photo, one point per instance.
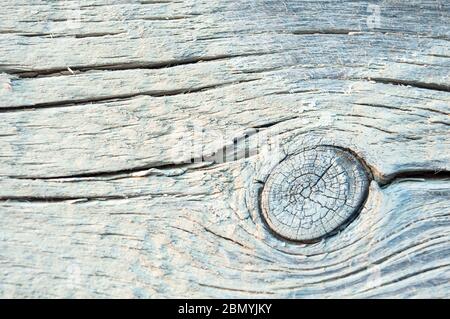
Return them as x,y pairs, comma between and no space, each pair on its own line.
312,193
136,137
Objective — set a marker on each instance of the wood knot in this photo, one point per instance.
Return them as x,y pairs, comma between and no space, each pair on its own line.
314,193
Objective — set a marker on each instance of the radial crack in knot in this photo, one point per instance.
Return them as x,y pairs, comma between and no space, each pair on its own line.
313,193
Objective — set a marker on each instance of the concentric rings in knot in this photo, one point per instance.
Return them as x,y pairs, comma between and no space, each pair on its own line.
311,194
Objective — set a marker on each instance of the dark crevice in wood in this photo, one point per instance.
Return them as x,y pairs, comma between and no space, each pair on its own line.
61,199
353,32
116,173
436,111
84,199
389,107
96,35
374,127
80,199
126,66
54,36
225,238
415,84
26,34
439,55
414,175
8,32
112,98
440,122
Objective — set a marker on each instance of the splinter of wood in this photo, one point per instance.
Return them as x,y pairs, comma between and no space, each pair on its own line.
313,193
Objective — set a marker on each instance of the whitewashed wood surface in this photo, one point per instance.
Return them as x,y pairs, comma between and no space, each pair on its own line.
113,113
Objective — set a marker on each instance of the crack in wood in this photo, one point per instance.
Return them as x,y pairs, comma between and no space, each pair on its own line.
112,98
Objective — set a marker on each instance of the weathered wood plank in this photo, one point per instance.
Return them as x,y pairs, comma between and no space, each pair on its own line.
407,64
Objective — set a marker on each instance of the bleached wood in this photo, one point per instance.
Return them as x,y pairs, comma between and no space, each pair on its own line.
135,139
